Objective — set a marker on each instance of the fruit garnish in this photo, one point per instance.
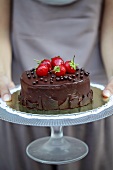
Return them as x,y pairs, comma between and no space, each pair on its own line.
59,70
46,62
57,61
70,66
42,70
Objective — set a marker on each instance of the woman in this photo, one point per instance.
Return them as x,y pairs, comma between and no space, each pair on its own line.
40,31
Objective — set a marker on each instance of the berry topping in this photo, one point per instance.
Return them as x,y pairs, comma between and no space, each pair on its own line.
81,76
73,75
45,80
81,73
45,62
41,79
34,82
59,70
61,78
56,67
32,72
70,66
57,61
65,77
70,78
53,76
77,74
37,81
29,76
57,78
86,73
27,73
74,80
51,81
42,70
34,76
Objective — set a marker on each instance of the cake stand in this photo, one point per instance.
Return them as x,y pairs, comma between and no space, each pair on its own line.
57,149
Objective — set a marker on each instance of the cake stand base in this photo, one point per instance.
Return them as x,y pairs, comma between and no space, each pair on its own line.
57,149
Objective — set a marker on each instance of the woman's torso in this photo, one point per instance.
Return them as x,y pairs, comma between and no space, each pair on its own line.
44,31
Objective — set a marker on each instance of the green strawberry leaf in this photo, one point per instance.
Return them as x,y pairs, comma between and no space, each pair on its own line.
38,61
72,63
56,69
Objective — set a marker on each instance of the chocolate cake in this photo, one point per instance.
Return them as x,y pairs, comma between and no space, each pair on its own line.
52,92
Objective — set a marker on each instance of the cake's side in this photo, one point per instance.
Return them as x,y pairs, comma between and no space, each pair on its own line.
55,93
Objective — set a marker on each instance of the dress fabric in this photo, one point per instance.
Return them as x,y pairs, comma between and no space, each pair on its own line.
43,31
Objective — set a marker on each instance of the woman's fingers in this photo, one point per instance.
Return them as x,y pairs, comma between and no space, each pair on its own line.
108,91
5,93
11,85
5,85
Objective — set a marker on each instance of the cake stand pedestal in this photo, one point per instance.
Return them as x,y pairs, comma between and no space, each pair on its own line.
57,149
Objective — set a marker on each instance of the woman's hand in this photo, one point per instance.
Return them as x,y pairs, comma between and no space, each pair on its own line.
5,86
108,91
5,50
106,44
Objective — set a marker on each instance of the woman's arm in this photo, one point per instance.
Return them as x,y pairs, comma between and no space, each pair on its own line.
5,49
107,44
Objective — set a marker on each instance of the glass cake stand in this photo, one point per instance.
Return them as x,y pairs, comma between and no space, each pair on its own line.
57,149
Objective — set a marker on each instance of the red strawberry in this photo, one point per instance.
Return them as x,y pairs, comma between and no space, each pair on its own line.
57,61
59,70
47,63
42,70
70,66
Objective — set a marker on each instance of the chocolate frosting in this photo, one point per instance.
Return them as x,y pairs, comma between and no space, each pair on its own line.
54,93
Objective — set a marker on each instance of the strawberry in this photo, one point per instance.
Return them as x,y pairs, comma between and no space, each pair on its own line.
45,62
42,70
57,61
70,66
59,70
